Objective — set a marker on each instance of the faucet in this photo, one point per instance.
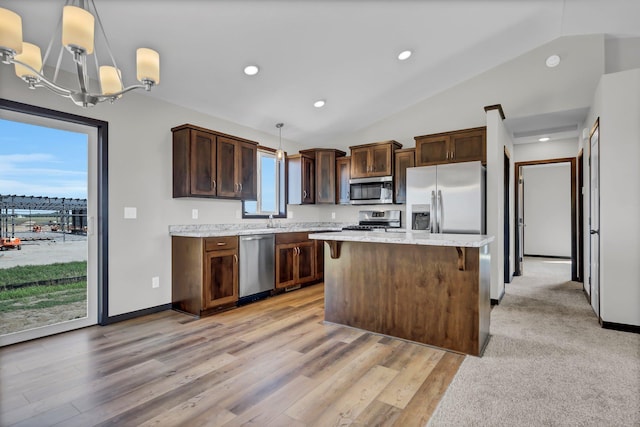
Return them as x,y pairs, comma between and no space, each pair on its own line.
270,223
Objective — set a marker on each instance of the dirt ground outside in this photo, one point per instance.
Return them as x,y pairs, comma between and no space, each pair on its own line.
57,248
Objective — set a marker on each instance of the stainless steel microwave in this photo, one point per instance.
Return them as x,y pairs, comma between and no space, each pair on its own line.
371,191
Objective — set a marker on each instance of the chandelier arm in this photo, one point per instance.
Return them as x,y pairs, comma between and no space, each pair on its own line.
125,90
81,68
106,40
55,73
42,80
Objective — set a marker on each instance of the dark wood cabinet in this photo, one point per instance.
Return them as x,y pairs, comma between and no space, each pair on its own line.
405,158
325,173
204,276
295,260
451,147
301,179
371,160
236,169
207,163
343,174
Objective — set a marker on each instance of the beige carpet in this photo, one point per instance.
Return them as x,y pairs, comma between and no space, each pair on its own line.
548,362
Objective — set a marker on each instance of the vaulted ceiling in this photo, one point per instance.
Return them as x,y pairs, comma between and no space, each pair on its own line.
344,52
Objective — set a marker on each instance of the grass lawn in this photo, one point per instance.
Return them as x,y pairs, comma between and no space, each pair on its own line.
35,297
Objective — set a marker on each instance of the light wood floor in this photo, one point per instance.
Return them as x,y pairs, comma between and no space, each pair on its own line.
271,363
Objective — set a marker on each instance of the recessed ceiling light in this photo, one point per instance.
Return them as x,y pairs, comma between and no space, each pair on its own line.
319,103
544,139
553,61
404,55
251,70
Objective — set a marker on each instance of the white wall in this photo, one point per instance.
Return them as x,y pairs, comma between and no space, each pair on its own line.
558,149
547,209
617,104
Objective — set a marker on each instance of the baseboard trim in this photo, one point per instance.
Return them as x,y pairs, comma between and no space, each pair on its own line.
497,301
621,327
133,314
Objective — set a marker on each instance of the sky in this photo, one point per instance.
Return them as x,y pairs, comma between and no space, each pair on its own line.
41,161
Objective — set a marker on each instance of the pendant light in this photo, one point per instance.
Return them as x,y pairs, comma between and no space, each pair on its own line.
280,151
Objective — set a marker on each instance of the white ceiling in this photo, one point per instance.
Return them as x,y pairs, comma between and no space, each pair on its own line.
341,51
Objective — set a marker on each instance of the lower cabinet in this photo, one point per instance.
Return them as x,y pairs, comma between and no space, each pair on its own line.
204,274
295,260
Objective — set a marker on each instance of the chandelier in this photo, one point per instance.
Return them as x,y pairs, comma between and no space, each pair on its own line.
77,25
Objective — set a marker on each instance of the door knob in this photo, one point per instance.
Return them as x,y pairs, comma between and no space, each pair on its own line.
594,232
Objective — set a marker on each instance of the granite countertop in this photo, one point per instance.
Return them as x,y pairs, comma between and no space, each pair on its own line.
218,230
408,238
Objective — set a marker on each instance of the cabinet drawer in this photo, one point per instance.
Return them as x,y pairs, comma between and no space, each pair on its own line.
284,238
220,243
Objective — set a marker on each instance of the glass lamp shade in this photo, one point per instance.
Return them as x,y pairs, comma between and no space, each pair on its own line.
148,65
10,30
31,56
77,28
279,154
110,80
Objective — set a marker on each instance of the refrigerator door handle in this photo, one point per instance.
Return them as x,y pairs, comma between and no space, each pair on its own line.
432,214
440,212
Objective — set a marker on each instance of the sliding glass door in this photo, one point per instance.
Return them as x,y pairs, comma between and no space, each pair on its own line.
48,211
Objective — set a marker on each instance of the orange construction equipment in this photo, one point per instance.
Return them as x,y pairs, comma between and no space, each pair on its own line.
10,243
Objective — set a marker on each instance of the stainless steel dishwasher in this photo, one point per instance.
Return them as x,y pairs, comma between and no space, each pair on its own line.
257,267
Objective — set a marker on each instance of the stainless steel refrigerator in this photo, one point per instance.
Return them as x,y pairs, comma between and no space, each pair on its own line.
447,198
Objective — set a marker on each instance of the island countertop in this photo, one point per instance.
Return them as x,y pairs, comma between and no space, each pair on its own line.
221,230
408,238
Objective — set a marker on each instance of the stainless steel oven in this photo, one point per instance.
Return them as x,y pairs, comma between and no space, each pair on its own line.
371,191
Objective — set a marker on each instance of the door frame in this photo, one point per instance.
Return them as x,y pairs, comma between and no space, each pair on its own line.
580,230
574,246
507,216
102,228
595,128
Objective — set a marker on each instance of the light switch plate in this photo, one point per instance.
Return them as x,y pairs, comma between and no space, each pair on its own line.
333,215
155,282
130,213
289,214
194,213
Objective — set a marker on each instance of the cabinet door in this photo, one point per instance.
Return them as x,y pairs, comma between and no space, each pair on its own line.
308,181
203,164
247,170
319,259
343,173
404,160
359,162
469,146
325,177
220,278
286,257
380,158
227,160
306,261
432,150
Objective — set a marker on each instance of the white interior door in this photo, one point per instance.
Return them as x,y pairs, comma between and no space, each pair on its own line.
594,220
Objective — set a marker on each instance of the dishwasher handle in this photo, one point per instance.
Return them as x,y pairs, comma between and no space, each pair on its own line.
248,238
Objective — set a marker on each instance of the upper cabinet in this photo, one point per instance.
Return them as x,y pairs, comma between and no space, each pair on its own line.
343,174
207,163
325,173
372,160
451,147
405,158
301,179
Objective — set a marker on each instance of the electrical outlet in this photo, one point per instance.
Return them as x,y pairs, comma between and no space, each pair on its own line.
289,214
194,213
333,215
155,282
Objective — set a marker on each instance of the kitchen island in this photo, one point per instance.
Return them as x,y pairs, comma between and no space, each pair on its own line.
428,288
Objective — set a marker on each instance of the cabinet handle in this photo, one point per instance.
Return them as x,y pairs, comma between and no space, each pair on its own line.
447,155
304,194
235,258
240,187
214,185
452,155
221,243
